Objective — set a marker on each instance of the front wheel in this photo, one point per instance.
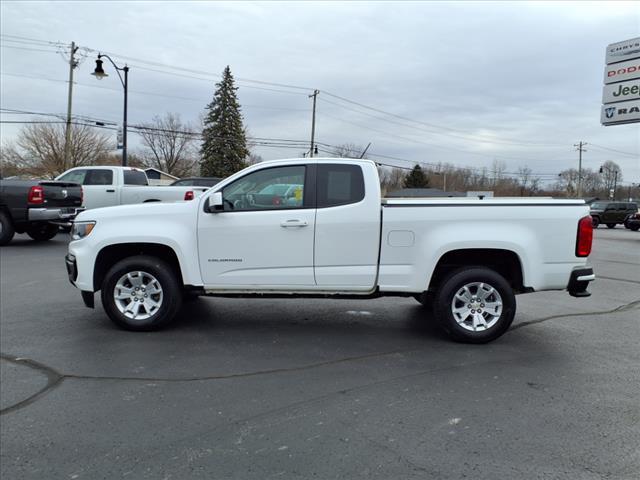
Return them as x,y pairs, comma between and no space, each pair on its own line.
42,232
595,221
475,305
611,225
141,293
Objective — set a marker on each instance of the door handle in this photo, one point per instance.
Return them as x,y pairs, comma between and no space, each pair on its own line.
110,191
294,224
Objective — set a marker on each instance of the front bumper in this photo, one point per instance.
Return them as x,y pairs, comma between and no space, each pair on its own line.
72,268
58,216
579,282
72,272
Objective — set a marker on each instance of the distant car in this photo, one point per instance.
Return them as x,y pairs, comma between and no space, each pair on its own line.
611,213
632,222
196,182
108,186
37,208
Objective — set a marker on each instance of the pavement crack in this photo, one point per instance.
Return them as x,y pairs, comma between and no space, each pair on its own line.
621,308
54,379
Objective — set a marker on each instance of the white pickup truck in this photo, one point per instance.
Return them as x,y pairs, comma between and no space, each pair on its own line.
331,235
110,186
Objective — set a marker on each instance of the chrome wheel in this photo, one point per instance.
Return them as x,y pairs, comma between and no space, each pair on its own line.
476,306
138,295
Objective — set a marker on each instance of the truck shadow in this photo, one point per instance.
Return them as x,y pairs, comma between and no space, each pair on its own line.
327,316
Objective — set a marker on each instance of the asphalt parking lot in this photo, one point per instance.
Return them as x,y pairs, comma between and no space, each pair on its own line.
318,388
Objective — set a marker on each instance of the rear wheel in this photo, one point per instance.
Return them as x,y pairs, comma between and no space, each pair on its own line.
141,293
475,305
611,225
6,229
42,232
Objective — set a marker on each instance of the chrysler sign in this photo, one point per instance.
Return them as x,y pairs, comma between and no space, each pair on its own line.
621,92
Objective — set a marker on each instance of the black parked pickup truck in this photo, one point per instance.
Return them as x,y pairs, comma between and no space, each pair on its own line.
37,207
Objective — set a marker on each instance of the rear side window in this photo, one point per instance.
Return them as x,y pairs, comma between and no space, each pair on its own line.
339,185
98,177
135,177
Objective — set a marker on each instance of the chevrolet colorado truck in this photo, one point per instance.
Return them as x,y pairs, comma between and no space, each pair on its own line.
36,207
331,235
110,186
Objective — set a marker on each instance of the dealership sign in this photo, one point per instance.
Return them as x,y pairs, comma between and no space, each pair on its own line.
624,112
619,72
621,92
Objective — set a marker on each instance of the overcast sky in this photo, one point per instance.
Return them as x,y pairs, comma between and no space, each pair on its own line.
473,81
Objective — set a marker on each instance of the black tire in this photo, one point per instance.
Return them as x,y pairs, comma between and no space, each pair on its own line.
6,229
171,296
595,221
634,228
42,232
611,225
460,278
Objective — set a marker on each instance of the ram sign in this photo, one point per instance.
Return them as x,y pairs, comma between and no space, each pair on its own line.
621,92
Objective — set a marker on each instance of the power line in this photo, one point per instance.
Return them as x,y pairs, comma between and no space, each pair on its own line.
430,124
636,155
408,139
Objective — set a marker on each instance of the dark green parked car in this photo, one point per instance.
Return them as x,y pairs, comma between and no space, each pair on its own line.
611,213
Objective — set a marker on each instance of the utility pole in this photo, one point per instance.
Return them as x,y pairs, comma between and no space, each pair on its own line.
313,121
67,132
365,151
580,148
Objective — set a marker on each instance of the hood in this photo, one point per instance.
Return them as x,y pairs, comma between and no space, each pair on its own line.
142,210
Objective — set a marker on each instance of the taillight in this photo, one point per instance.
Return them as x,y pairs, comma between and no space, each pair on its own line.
188,195
36,194
585,237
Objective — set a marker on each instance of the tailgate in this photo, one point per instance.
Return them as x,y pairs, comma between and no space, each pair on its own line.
62,194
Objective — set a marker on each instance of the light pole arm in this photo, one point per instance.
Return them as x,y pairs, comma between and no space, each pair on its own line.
118,69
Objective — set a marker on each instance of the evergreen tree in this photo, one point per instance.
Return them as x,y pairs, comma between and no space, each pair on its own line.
416,179
224,146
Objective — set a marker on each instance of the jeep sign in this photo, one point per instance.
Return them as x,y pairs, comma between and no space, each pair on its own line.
621,92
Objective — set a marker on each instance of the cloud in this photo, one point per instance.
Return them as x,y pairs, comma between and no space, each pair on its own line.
486,79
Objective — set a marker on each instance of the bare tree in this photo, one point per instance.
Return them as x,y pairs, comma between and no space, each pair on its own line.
39,149
391,178
348,150
253,158
170,145
611,175
524,174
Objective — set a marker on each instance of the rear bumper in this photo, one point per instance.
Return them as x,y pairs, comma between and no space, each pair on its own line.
59,216
579,281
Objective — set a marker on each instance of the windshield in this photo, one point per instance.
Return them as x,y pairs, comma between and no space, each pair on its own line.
598,206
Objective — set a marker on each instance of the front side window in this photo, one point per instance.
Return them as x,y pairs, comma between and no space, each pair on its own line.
269,189
98,177
339,185
75,176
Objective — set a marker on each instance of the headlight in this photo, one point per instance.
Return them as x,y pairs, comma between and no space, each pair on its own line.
81,229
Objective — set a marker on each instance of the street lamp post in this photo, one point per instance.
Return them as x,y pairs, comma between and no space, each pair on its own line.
99,73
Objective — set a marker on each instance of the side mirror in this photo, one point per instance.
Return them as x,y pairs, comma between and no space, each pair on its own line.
215,203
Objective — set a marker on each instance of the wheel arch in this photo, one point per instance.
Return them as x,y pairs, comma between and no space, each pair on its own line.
111,254
505,262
